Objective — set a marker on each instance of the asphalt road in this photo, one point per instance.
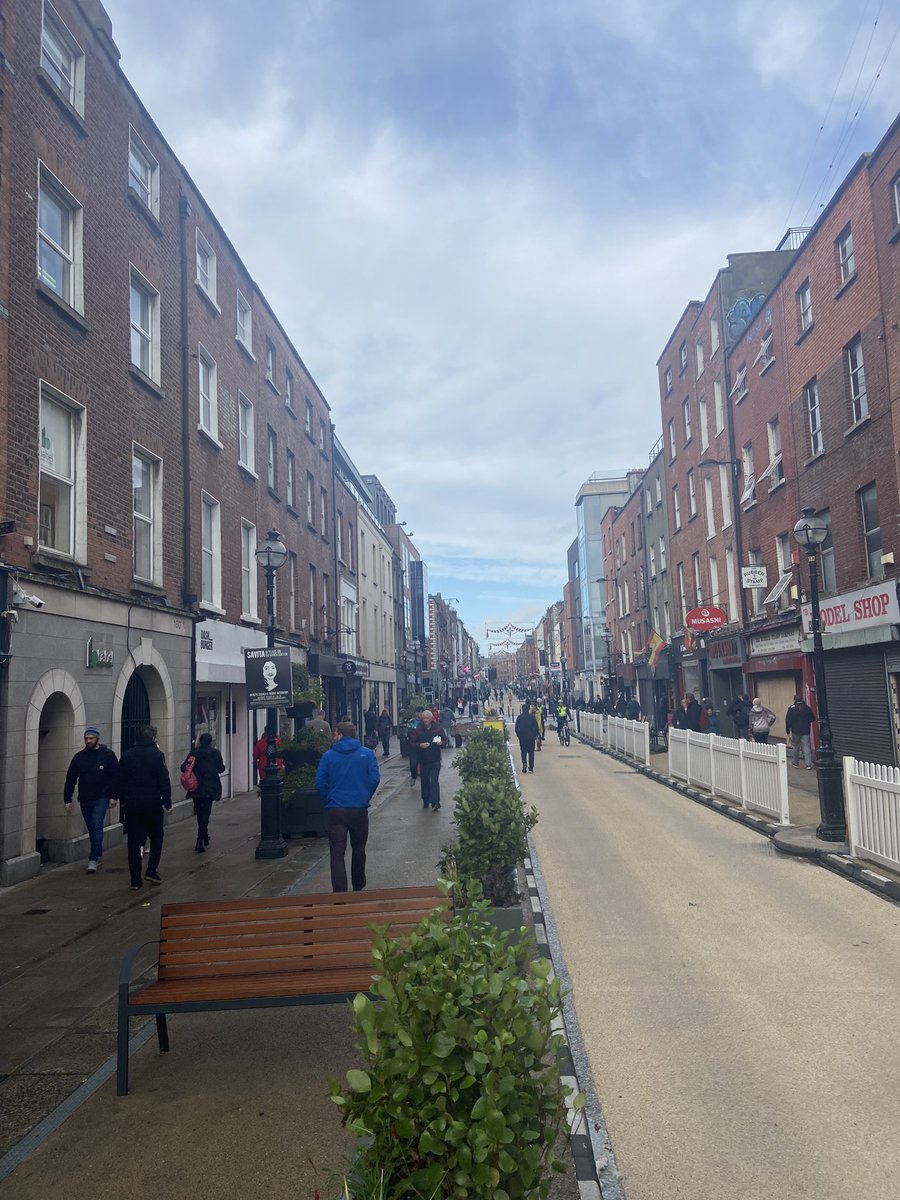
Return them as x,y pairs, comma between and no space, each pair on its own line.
740,1010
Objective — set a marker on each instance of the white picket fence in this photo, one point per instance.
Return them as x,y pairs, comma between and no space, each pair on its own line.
631,738
753,774
872,796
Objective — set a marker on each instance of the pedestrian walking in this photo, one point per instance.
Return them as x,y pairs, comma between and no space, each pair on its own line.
370,721
317,721
93,771
739,711
261,750
713,724
761,720
527,732
346,779
687,715
447,718
430,740
798,722
632,710
208,767
411,730
384,732
145,790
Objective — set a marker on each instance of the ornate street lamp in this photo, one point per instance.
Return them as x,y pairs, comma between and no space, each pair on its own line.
271,556
810,532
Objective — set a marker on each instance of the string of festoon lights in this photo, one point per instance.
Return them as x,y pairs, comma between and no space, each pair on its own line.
506,629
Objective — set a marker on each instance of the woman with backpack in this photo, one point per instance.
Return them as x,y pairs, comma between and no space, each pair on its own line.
205,764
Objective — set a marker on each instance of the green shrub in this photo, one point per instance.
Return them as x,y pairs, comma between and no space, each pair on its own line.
460,1096
301,780
408,711
485,756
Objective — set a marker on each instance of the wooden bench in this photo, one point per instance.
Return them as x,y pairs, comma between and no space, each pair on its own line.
267,953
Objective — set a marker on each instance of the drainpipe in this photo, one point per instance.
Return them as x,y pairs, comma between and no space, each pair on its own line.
735,494
187,597
337,578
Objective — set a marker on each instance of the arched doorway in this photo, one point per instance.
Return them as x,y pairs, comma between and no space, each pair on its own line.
135,710
56,732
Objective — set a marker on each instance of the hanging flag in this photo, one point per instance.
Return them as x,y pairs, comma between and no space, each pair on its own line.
654,648
689,639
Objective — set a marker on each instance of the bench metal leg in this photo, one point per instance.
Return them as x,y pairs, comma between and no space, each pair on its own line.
162,1032
122,1052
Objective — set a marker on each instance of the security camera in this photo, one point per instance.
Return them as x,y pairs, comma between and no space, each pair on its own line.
36,602
21,597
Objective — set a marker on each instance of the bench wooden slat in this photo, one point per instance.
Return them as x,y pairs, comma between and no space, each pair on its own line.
253,987
380,899
233,936
265,966
229,952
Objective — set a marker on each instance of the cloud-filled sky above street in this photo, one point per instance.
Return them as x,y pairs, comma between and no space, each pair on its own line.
479,220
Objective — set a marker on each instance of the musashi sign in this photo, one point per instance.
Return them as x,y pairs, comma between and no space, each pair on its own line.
875,605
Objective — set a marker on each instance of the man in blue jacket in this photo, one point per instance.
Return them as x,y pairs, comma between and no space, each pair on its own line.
346,780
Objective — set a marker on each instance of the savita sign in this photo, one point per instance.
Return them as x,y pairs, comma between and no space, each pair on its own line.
706,617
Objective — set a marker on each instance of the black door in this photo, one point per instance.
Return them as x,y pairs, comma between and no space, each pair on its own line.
135,711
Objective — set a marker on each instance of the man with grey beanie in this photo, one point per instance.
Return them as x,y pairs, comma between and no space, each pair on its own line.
93,770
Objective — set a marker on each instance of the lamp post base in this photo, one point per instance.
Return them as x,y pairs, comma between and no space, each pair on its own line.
272,847
833,825
271,843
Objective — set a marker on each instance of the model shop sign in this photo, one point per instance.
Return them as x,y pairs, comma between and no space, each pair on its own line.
875,605
267,674
706,617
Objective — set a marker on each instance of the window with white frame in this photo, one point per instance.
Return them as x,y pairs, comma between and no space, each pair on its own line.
313,607
704,423
62,59
755,559
326,611
339,534
714,597
246,434
662,554
652,550
859,401
323,513
59,251
244,331
748,490
686,417
290,479
676,507
698,578
813,416
699,354
292,590
668,620
658,490
785,567
804,306
143,172
725,493
766,355
826,555
288,390
692,495
774,472
713,335
206,267
846,263
895,192
271,458
868,500
144,314
322,442
308,424
270,362
248,572
310,483
682,356
671,429
682,594
209,394
62,493
668,380
146,487
718,406
210,552
710,509
648,502
739,389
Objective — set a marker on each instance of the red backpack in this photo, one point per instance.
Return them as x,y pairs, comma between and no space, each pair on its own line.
189,780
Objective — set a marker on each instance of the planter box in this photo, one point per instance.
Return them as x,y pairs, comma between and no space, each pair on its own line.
506,920
494,723
303,815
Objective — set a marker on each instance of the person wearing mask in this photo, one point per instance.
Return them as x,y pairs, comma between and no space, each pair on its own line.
430,739
798,722
761,720
527,731
93,771
346,779
208,767
145,790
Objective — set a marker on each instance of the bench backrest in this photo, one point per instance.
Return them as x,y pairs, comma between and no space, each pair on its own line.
285,934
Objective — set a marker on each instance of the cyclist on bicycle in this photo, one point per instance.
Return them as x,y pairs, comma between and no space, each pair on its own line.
562,722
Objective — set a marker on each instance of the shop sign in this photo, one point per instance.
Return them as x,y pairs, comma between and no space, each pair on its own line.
267,675
220,644
356,667
706,617
754,577
726,652
97,653
875,605
779,641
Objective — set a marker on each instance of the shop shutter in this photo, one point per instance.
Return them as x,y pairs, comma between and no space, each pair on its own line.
858,705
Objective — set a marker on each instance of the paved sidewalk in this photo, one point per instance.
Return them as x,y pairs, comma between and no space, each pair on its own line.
239,1107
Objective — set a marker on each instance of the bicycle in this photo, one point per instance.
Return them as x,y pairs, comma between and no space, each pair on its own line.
563,731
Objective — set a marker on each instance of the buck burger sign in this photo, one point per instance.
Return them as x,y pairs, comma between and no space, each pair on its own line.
876,605
706,617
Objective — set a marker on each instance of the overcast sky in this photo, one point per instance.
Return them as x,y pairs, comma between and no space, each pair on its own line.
479,220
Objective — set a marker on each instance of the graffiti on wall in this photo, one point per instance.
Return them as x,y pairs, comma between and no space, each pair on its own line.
741,314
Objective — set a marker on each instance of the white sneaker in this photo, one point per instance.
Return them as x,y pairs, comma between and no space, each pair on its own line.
92,866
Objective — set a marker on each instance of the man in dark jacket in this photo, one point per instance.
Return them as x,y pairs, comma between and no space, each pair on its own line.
93,770
739,711
687,715
346,780
798,723
429,739
527,732
145,789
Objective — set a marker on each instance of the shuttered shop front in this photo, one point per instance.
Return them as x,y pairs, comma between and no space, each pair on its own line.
858,704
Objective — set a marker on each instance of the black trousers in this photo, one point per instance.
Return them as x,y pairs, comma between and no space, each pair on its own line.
344,823
202,809
527,748
144,823
431,783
